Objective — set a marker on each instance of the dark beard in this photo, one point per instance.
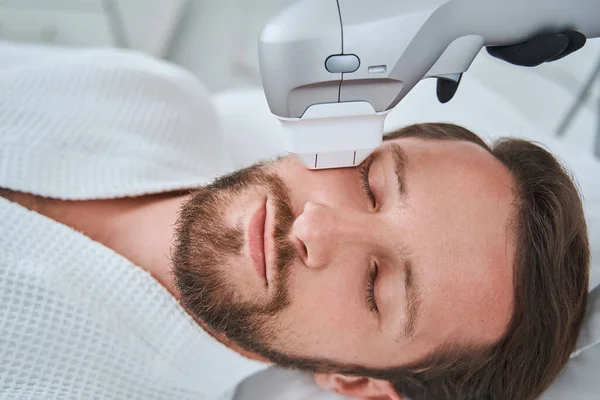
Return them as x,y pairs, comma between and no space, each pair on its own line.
203,245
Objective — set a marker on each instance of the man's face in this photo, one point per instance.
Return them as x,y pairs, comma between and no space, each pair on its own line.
377,272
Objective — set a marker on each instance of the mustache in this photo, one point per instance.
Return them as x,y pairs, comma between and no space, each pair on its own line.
278,193
212,242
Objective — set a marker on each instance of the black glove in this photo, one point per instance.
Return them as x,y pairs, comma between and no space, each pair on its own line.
536,51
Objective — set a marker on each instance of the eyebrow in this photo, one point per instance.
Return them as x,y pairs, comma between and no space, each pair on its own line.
413,300
411,287
400,166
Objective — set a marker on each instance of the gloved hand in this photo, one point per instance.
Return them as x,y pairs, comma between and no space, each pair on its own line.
536,51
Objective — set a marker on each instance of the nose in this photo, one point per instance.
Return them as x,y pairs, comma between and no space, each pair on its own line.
321,232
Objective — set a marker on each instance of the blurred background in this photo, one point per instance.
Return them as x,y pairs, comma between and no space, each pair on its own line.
217,41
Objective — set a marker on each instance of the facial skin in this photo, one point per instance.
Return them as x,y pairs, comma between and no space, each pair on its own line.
447,233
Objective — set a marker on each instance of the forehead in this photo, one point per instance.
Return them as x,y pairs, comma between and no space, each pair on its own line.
456,218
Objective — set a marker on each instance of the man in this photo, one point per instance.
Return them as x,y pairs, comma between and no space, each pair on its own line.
440,269
436,242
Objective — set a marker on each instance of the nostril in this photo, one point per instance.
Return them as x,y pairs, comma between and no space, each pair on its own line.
302,250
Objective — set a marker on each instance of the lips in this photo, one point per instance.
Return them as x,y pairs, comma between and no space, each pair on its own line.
256,239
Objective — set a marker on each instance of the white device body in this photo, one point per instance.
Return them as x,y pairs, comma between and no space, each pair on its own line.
332,69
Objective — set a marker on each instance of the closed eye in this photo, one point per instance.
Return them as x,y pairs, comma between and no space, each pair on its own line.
365,168
371,289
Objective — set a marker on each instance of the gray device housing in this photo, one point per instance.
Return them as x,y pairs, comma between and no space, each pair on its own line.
328,51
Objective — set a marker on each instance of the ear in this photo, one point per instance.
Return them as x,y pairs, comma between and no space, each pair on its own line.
358,387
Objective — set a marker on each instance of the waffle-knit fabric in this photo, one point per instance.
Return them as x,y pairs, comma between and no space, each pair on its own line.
77,320
105,123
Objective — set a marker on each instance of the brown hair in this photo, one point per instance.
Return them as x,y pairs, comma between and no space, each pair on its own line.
551,272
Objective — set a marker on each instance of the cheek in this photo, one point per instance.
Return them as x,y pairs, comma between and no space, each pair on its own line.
326,317
339,187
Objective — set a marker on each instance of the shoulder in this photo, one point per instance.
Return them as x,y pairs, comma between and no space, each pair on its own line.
128,122
102,80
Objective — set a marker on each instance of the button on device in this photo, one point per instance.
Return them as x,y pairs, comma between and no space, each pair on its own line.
342,63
